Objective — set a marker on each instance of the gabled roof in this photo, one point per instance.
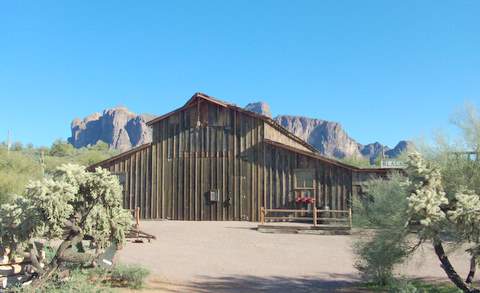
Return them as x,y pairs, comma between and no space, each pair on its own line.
119,156
323,158
220,103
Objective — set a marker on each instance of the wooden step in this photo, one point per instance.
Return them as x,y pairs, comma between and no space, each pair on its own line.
306,229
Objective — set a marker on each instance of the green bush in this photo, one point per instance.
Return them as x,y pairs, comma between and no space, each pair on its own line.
384,205
17,168
384,208
129,276
20,165
411,286
407,286
377,257
79,281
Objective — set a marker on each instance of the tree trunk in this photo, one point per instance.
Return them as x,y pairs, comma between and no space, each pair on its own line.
473,269
449,269
75,236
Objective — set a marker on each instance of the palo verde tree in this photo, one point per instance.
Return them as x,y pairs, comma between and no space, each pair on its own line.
71,205
384,207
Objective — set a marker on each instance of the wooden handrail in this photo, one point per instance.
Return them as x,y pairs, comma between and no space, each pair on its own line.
299,211
315,218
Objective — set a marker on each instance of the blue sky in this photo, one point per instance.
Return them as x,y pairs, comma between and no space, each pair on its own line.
387,70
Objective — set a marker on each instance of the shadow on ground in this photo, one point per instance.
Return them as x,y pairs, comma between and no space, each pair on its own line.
241,284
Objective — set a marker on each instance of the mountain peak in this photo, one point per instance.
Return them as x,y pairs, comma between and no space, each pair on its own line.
118,127
259,108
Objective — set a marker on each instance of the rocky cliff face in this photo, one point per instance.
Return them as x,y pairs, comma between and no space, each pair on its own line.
122,130
118,127
327,137
331,139
260,108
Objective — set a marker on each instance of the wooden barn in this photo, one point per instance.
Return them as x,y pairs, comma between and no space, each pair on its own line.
214,161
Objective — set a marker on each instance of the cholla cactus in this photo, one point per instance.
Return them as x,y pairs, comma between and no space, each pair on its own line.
466,214
70,205
427,196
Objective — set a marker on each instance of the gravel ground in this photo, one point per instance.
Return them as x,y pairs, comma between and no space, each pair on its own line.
232,257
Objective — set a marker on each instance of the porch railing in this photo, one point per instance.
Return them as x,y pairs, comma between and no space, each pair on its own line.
339,217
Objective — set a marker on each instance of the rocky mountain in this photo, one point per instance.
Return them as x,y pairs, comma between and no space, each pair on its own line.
118,127
260,108
122,130
331,139
327,137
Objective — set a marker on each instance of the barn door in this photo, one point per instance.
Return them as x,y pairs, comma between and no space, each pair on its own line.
243,199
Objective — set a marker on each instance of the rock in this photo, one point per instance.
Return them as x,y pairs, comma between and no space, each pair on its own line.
259,108
373,150
402,146
327,137
330,139
118,127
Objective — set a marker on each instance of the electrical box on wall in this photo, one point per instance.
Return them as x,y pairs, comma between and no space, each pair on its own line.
214,195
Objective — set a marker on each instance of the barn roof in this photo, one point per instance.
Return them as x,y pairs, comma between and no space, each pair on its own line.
323,158
119,156
218,102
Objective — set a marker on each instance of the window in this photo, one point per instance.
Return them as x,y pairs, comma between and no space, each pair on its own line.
304,178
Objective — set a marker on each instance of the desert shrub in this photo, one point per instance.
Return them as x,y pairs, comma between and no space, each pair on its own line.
16,170
404,286
78,281
378,256
409,286
21,165
357,162
385,209
130,276
384,204
61,148
81,280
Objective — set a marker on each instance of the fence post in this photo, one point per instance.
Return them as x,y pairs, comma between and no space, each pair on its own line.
350,216
137,220
262,215
314,213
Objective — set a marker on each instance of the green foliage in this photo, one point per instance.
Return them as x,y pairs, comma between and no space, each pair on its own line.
16,169
384,208
377,257
129,276
79,281
411,286
467,121
22,164
357,162
95,280
61,148
385,204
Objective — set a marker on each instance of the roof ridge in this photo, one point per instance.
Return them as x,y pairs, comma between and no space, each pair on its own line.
267,119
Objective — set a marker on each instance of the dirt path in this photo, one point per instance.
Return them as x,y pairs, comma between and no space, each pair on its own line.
231,257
